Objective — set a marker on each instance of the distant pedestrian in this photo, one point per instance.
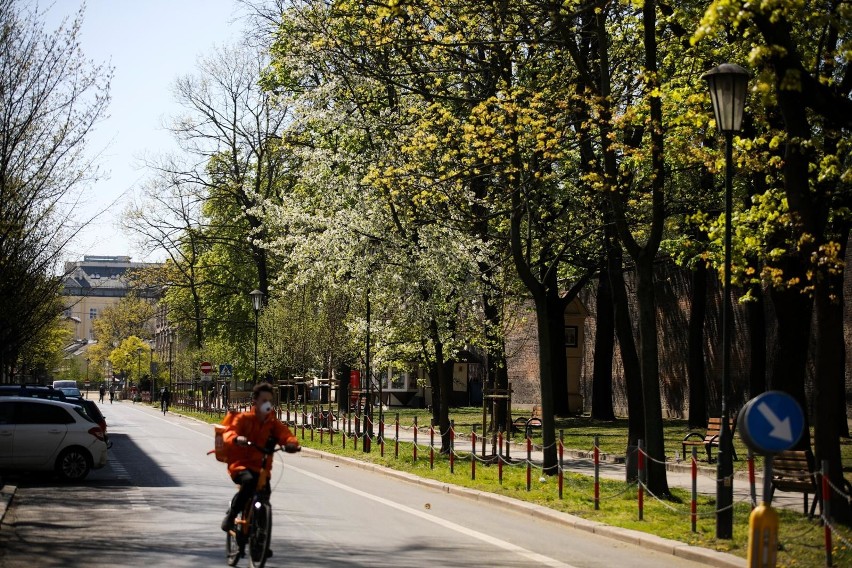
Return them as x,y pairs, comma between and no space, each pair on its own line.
101,392
225,393
111,393
165,399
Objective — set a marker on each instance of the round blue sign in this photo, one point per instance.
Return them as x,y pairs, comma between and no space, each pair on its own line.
771,422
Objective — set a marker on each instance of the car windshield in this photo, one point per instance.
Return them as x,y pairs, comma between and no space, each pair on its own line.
70,391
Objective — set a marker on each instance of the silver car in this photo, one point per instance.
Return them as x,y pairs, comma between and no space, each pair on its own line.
40,434
68,388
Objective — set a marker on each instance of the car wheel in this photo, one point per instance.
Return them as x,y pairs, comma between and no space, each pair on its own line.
74,464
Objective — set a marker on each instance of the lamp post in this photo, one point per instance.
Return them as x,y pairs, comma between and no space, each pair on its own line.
368,414
138,372
153,383
728,85
171,337
257,303
87,377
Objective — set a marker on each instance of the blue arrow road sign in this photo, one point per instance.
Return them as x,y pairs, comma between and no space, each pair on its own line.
226,370
771,422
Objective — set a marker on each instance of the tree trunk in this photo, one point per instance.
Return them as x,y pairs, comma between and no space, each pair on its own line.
559,359
629,360
793,311
604,349
497,376
539,295
695,358
654,440
545,362
343,387
755,311
830,381
435,384
840,384
444,380
830,370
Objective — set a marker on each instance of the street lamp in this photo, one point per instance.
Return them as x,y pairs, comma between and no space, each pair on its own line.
728,85
153,383
87,377
257,303
368,414
171,337
138,372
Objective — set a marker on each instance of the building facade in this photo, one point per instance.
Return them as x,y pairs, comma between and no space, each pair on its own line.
94,284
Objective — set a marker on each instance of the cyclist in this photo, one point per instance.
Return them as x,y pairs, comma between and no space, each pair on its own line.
257,426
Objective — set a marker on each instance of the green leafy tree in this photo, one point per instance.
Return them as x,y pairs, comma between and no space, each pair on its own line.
803,88
50,97
128,356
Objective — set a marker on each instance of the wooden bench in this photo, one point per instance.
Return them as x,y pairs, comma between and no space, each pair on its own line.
534,420
710,438
793,470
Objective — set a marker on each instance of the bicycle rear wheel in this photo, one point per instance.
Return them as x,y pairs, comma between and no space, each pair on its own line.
260,534
233,544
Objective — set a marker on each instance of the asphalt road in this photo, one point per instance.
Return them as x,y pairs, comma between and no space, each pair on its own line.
161,498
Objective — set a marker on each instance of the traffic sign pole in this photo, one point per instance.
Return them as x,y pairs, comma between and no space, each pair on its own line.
769,423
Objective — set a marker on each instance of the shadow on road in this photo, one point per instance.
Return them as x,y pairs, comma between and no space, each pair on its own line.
169,550
128,465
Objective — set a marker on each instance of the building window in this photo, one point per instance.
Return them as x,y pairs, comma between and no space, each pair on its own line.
571,336
93,313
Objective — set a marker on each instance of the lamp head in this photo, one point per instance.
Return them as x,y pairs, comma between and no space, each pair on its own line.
728,84
256,299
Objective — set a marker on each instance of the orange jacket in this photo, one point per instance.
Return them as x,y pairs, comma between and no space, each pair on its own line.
248,424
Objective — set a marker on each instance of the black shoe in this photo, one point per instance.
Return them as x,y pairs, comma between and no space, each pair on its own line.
269,553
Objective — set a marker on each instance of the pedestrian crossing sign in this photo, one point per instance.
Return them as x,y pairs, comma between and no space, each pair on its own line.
226,370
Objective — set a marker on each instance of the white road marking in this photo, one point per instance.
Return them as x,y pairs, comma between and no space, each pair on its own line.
508,546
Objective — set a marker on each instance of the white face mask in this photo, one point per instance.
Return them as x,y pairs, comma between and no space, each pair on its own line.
264,409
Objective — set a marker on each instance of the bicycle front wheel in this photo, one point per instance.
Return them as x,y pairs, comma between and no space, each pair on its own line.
260,534
233,545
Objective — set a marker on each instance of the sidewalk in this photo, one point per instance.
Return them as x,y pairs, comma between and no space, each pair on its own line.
678,474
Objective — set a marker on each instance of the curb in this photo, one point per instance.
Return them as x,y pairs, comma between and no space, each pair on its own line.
7,492
652,542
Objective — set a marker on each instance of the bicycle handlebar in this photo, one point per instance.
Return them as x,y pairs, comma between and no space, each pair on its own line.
290,449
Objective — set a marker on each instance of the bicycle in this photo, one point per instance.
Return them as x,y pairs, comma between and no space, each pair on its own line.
253,525
164,406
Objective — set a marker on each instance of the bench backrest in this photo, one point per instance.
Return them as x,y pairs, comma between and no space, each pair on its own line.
793,463
714,426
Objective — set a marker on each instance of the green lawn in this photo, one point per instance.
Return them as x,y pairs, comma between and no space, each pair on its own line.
580,432
801,541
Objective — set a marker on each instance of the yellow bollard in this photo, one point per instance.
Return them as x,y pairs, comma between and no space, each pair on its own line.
762,537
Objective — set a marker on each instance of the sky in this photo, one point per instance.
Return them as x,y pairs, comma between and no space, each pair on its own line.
149,43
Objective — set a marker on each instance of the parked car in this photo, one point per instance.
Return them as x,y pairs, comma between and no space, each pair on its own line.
34,391
69,388
38,391
43,434
92,409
